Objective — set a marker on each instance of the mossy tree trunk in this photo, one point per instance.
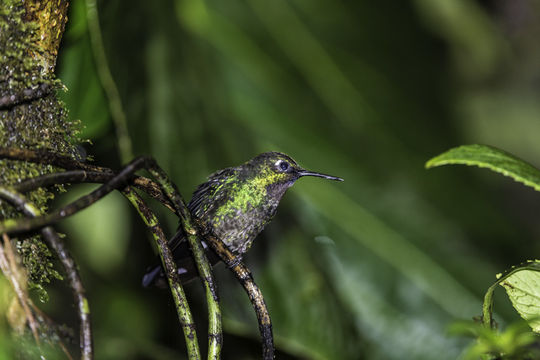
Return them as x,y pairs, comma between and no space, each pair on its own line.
31,115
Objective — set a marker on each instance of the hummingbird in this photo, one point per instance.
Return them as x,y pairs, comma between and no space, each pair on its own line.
236,204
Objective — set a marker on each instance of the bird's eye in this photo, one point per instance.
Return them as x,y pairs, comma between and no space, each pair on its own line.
283,166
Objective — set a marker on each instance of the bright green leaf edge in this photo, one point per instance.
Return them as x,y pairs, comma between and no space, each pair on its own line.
522,289
487,308
497,160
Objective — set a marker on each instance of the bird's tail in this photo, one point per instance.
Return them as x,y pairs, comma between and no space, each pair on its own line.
187,269
150,277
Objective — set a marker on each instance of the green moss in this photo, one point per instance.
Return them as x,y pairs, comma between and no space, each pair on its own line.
37,124
18,39
38,261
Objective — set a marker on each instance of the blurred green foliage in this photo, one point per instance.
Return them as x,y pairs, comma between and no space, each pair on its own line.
512,343
375,267
104,239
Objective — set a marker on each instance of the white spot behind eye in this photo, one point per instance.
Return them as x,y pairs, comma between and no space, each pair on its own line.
282,165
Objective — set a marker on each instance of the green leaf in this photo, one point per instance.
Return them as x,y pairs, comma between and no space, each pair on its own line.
492,158
523,289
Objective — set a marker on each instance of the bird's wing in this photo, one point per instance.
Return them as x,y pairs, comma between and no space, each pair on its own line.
210,193
204,198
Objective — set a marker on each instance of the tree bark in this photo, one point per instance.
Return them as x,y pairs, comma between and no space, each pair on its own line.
31,115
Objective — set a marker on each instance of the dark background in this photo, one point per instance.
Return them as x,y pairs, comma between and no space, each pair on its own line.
375,267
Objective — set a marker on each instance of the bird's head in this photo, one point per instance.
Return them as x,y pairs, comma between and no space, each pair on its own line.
278,171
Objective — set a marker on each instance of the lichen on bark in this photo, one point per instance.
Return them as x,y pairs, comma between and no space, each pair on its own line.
31,115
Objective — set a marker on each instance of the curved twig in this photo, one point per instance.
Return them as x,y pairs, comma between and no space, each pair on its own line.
48,158
151,188
77,172
215,337
179,296
120,181
67,261
245,278
241,272
83,176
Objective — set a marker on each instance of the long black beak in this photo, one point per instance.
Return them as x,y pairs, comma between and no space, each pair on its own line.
311,173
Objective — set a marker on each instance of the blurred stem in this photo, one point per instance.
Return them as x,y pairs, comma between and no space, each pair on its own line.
43,318
179,296
115,103
313,61
53,240
11,270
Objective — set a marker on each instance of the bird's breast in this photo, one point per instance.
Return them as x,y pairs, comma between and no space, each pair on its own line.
238,227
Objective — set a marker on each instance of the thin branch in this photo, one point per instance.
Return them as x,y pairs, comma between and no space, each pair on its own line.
82,176
119,181
82,172
235,265
215,337
70,268
75,282
179,296
47,158
244,276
